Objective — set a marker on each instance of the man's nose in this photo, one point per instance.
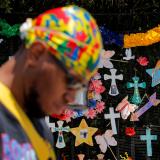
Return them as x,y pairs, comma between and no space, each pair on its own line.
70,96
80,97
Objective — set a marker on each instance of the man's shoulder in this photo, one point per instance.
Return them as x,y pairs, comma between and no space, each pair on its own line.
6,118
10,125
12,134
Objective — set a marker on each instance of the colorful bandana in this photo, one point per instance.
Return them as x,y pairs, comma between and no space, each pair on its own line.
71,35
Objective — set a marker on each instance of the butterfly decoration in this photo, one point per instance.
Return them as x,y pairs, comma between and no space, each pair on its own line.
105,59
155,74
126,108
106,140
128,54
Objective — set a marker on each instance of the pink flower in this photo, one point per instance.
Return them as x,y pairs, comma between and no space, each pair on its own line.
143,61
97,86
130,131
68,115
99,90
91,113
100,107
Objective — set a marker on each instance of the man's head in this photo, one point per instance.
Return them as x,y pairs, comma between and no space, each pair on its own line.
62,50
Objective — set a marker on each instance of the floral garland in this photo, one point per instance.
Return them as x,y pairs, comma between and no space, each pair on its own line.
130,40
7,30
109,37
142,39
95,105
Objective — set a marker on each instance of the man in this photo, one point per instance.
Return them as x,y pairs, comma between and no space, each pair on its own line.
60,55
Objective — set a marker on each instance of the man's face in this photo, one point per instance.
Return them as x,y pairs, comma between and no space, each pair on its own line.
48,92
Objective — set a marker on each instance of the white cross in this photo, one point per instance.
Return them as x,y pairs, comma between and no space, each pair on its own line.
113,89
60,129
50,125
112,116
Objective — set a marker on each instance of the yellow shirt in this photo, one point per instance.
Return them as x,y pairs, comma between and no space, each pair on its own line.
42,148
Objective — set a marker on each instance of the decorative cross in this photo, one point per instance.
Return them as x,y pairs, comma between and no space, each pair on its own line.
148,137
112,116
152,102
60,129
136,99
113,89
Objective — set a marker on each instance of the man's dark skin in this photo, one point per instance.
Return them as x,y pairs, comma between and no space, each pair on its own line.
38,84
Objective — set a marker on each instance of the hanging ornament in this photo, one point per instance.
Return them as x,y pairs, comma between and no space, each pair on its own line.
112,116
129,131
105,141
143,61
100,156
83,133
60,129
128,53
113,88
136,99
148,138
126,108
105,59
155,74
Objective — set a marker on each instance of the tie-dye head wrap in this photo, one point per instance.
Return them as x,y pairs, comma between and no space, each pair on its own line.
70,34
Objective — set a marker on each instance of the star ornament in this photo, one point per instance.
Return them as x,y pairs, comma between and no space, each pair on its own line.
155,74
83,133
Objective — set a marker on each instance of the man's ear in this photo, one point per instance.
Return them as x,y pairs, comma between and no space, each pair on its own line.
34,53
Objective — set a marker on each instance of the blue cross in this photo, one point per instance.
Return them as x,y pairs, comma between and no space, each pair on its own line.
136,99
148,137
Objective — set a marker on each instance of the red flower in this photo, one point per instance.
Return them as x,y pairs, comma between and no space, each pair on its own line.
130,131
143,61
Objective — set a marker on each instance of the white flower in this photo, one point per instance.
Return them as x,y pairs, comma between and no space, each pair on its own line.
25,27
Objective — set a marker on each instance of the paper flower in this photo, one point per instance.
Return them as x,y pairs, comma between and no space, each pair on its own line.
130,131
66,115
143,61
96,85
91,113
100,107
97,76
